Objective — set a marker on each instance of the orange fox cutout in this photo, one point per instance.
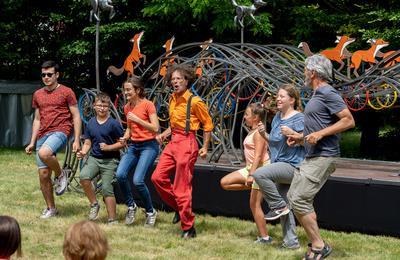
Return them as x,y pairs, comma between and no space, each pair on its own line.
203,60
367,55
168,61
339,52
392,61
384,55
308,52
133,58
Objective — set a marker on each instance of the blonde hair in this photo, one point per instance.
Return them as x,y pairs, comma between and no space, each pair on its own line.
85,241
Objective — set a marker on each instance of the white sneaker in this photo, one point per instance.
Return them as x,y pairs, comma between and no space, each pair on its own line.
94,211
151,218
130,215
61,183
48,213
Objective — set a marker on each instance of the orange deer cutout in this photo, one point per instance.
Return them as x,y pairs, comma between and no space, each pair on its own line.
203,60
367,55
133,58
168,61
339,52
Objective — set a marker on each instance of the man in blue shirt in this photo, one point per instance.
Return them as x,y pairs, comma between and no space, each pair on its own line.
325,116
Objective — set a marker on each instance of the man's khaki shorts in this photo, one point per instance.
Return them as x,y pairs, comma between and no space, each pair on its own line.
307,181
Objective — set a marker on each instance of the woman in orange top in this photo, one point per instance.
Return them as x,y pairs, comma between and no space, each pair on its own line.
142,126
180,154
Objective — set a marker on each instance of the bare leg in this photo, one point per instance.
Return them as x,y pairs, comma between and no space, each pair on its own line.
310,225
111,207
258,214
47,156
46,187
88,188
234,181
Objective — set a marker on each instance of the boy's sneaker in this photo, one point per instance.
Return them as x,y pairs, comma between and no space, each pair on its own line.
277,213
151,218
61,182
48,213
94,211
111,222
261,240
130,215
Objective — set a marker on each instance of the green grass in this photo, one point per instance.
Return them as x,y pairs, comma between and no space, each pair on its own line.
218,237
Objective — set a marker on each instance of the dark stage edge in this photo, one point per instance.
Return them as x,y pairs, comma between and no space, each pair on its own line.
361,196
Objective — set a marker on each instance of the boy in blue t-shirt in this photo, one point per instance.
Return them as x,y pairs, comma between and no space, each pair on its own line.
102,135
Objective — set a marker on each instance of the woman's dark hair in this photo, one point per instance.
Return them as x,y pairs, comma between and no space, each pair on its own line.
184,69
137,84
10,237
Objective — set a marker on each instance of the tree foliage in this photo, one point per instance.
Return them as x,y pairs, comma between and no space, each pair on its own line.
33,31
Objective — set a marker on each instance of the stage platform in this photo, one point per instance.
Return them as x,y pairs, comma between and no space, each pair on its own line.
360,196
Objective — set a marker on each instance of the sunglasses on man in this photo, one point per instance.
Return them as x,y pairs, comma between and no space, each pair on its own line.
49,75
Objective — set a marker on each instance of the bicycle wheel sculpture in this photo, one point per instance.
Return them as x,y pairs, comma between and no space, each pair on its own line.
231,76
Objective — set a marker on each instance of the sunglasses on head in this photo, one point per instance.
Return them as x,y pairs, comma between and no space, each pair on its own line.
47,74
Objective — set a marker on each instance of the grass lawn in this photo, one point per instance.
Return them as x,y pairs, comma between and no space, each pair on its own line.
218,237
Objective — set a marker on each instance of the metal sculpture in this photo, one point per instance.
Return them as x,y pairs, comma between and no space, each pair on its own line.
231,76
242,11
97,7
103,5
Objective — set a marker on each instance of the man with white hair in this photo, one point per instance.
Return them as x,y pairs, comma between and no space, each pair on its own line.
325,116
